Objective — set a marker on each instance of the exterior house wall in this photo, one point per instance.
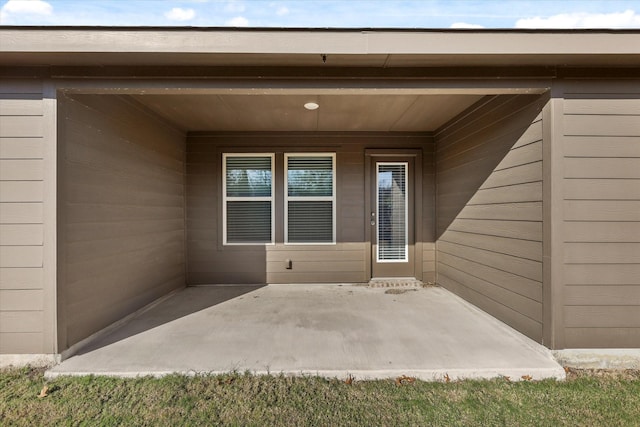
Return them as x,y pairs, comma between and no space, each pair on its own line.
345,262
121,212
601,213
26,295
489,209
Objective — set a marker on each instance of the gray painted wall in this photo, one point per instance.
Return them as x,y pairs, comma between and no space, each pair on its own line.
601,232
121,212
489,209
25,294
211,262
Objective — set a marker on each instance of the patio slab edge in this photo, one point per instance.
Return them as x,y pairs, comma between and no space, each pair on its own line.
431,375
599,358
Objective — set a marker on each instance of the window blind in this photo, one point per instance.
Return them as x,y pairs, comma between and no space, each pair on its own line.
248,191
310,200
392,211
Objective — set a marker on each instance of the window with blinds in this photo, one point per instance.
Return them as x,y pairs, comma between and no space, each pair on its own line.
310,198
392,212
248,216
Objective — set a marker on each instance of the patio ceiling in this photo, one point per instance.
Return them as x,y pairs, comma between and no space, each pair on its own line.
267,113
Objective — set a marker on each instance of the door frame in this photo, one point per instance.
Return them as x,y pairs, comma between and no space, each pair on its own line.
370,156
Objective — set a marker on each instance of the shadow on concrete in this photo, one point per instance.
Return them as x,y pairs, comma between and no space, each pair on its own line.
181,304
326,330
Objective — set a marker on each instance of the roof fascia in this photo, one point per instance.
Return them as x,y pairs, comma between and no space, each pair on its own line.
308,41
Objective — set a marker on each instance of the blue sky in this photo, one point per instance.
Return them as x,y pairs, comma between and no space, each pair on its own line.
327,13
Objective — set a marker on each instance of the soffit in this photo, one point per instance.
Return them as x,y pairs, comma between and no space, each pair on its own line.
266,113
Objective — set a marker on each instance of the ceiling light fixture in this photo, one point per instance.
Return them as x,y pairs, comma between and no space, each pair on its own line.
311,106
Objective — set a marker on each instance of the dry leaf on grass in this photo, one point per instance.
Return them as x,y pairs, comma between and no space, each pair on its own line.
43,392
527,377
404,380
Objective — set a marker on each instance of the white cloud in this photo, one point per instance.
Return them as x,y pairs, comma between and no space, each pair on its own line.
24,7
626,19
238,21
234,6
179,14
38,7
282,11
465,25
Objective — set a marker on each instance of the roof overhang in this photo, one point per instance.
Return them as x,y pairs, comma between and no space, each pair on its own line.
374,48
221,79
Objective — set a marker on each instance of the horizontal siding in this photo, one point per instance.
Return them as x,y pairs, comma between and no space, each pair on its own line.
21,299
490,210
20,256
593,167
602,210
346,261
428,262
21,126
21,170
601,146
608,295
600,189
602,231
602,217
21,278
21,148
22,342
513,318
530,269
21,321
520,248
596,337
21,217
601,124
21,191
123,212
601,274
21,213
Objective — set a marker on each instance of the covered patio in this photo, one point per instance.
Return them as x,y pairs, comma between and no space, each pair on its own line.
328,330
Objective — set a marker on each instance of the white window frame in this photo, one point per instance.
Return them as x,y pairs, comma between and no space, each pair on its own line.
406,213
288,198
225,199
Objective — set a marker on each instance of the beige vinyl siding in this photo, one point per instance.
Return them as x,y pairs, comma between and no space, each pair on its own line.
345,262
121,215
22,307
601,233
489,209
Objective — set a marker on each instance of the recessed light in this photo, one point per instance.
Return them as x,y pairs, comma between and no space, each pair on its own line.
311,106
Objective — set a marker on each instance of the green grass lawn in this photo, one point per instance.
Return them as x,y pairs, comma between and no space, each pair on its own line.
586,398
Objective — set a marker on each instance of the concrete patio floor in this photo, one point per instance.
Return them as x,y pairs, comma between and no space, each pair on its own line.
328,330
